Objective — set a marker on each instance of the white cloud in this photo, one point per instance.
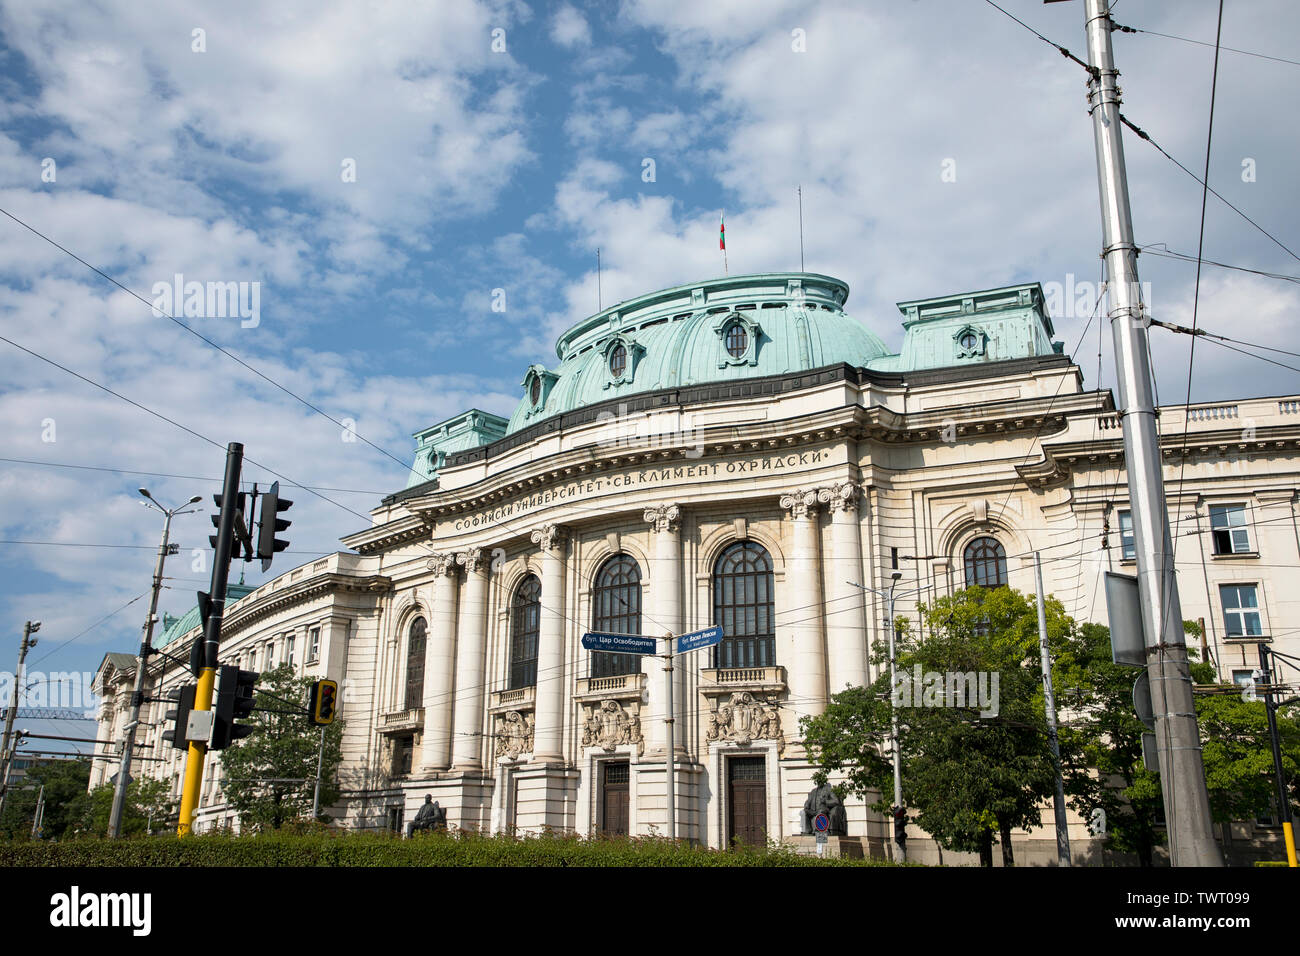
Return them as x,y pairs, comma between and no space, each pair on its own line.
569,28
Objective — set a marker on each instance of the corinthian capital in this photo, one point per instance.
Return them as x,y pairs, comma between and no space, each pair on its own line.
442,564
548,537
472,559
664,517
840,497
800,504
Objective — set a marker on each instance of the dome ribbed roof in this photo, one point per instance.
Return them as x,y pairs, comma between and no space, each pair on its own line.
720,330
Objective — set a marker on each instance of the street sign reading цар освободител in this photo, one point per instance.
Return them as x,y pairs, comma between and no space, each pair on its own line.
620,643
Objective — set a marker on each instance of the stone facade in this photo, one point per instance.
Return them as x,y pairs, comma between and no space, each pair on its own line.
809,482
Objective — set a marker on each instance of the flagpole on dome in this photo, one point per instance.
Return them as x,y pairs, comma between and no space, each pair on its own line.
722,240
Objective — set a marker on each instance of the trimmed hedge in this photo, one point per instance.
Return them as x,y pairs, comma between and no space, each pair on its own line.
374,849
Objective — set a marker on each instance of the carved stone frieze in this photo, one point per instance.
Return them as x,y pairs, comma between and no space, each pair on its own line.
514,734
609,724
744,718
443,564
472,560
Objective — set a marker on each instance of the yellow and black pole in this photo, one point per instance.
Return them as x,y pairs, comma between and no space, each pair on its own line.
206,659
1284,803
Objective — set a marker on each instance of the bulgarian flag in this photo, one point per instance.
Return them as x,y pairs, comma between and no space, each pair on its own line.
722,232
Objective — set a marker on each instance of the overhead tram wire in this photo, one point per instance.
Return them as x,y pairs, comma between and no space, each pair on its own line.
1155,250
160,474
1226,49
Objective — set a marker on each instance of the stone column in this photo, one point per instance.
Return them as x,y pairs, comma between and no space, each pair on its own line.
440,666
846,609
666,616
471,637
800,621
549,717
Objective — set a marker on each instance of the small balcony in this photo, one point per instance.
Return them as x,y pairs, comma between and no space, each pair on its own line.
521,698
622,687
402,721
731,680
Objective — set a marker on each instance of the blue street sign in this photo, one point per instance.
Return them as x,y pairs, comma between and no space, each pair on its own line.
697,639
620,643
822,823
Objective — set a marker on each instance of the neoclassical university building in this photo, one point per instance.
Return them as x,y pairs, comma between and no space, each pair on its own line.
738,452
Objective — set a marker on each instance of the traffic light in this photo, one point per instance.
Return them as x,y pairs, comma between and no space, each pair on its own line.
235,701
240,501
271,524
180,717
900,825
322,702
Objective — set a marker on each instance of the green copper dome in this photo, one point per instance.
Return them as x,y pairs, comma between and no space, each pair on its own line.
723,329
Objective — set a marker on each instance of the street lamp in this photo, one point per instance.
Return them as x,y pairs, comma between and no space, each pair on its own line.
137,697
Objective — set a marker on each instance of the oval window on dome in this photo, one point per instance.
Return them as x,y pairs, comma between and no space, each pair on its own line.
969,341
736,340
618,360
535,390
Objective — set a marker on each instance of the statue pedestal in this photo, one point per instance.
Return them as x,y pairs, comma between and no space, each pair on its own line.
849,847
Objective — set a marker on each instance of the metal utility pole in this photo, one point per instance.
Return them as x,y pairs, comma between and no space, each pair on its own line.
1049,705
1284,804
146,648
39,815
1182,772
6,752
198,750
670,753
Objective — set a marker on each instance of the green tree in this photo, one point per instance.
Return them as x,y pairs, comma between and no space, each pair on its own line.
1101,743
974,777
65,783
270,776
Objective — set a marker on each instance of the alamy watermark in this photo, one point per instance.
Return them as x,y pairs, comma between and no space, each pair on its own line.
641,430
974,689
64,690
210,300
1078,299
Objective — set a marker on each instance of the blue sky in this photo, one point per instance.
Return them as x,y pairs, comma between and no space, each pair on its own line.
502,160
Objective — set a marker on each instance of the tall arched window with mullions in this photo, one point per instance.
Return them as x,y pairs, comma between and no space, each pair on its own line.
415,644
986,563
742,604
616,609
525,623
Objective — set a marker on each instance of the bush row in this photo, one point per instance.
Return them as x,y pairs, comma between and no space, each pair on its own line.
371,849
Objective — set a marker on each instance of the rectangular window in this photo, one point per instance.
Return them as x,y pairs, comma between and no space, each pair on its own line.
403,755
1240,610
1127,549
288,649
1241,677
313,645
1228,529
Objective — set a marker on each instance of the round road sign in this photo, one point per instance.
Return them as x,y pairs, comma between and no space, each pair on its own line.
822,823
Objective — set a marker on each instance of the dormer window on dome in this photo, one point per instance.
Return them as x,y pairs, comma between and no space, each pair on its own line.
738,336
622,355
971,341
537,383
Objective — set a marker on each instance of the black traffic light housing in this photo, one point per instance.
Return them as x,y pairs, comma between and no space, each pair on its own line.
322,702
270,524
236,699
900,825
241,526
180,717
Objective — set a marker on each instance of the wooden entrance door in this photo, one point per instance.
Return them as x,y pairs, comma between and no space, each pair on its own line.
614,799
747,803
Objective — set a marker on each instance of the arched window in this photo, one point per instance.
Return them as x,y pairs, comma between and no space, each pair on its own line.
737,340
986,563
742,604
618,360
525,622
415,645
616,609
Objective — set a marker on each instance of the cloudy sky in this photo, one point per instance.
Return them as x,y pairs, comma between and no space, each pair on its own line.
375,171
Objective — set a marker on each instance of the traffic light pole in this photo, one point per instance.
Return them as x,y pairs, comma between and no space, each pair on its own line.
1284,804
320,760
1182,772
137,695
212,632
